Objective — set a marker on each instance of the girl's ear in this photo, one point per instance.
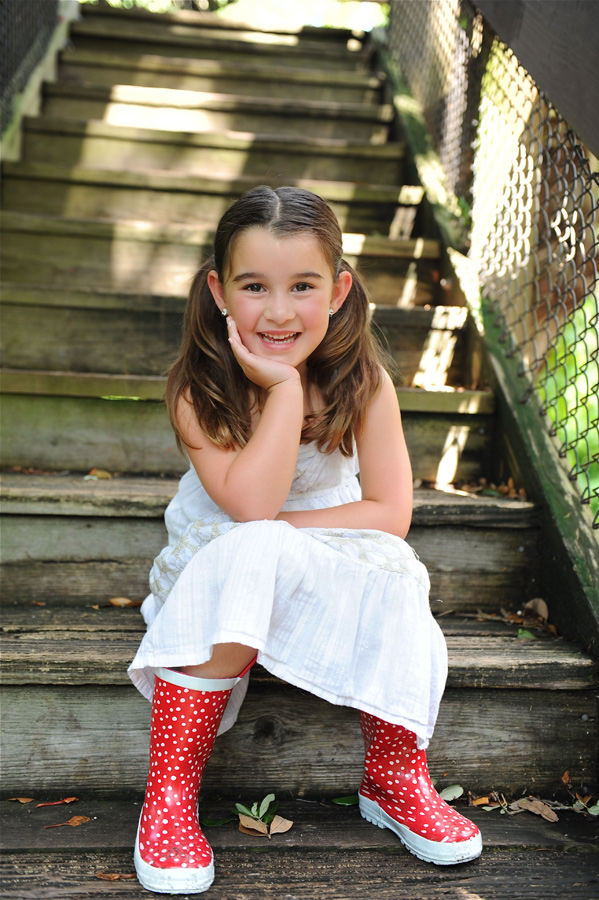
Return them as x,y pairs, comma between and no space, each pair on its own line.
216,288
341,289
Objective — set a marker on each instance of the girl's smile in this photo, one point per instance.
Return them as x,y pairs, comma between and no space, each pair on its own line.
279,291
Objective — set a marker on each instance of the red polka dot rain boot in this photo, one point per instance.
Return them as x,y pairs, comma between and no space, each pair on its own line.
172,856
397,793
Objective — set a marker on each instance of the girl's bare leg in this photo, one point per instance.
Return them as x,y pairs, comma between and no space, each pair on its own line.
227,661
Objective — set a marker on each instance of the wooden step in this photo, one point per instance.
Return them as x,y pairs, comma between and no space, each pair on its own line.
331,853
143,259
194,111
226,26
286,740
119,423
173,39
225,154
179,198
71,540
239,77
53,328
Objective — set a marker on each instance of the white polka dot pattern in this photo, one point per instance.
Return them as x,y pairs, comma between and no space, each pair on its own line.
396,778
184,726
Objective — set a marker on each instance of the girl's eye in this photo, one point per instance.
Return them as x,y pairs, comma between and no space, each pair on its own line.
302,287
253,288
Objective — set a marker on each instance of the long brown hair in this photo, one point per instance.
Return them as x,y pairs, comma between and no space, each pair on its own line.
344,368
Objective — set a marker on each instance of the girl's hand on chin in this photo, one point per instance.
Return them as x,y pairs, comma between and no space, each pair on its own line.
266,373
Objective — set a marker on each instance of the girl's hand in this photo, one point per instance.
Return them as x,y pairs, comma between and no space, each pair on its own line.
266,373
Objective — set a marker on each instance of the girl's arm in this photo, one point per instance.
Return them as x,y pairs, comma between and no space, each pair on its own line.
385,476
252,482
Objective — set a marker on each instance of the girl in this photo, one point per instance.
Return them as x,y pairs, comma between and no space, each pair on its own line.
276,552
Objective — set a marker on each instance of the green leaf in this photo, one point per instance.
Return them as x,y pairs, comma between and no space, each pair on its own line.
244,810
452,792
265,804
351,800
272,811
214,823
254,811
594,809
526,635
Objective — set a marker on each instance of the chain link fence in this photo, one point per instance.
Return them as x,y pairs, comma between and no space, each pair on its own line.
530,192
26,27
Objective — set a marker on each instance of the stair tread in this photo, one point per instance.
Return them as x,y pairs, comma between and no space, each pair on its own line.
151,387
217,68
174,33
198,234
70,494
222,139
79,646
186,99
176,181
316,824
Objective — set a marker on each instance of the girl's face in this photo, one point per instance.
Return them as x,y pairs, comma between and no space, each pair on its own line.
279,292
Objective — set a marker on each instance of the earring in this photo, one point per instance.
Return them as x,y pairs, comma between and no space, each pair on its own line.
224,312
331,312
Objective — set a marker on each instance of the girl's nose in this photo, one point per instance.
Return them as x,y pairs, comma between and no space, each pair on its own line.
279,309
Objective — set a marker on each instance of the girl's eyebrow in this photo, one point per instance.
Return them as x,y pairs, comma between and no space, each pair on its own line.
260,275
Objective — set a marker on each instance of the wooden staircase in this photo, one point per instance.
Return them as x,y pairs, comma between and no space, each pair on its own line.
154,125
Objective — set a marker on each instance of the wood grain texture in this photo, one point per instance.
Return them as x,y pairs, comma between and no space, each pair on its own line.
93,740
262,873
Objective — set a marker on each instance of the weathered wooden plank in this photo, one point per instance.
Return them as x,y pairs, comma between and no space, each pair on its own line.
182,41
316,824
152,387
94,740
264,872
73,495
185,111
130,436
174,197
66,646
213,75
75,254
99,144
117,333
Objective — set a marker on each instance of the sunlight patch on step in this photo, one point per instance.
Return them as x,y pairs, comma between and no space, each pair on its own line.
453,448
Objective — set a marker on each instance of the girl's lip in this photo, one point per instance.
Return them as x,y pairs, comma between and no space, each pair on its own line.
282,338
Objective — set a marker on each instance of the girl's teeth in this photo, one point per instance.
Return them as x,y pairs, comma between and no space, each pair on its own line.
279,340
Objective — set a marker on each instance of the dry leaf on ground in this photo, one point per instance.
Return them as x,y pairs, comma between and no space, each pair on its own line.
531,804
124,601
114,876
58,802
256,827
22,799
279,825
74,821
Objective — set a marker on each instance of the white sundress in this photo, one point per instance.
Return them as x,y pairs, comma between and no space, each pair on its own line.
342,613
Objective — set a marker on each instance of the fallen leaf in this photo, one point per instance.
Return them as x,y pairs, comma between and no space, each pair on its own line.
584,800
538,607
351,800
38,602
114,876
95,606
58,802
481,801
23,799
100,473
566,777
531,804
525,634
452,792
74,822
124,601
255,827
280,825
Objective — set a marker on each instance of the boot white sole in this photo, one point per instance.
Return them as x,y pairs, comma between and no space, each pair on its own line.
171,881
441,854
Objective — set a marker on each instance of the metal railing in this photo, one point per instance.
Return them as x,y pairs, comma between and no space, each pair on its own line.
530,192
